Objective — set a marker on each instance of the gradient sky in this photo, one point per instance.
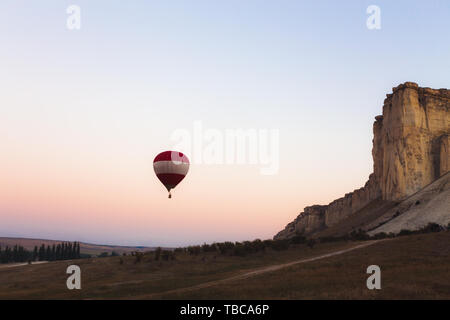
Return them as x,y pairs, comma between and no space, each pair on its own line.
83,113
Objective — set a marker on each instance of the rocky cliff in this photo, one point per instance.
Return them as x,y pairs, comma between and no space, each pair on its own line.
410,150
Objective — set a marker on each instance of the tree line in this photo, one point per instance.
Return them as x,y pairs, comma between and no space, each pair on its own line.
60,251
249,247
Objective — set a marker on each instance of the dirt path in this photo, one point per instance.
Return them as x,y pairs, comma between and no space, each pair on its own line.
259,271
13,265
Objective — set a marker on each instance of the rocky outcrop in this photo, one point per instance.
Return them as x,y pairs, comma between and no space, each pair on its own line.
312,219
410,150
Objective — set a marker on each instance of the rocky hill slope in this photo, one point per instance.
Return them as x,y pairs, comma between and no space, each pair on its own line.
410,150
430,204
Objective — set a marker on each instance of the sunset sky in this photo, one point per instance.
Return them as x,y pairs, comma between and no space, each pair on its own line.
84,112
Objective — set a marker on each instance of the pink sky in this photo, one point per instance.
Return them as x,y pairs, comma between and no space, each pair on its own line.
84,112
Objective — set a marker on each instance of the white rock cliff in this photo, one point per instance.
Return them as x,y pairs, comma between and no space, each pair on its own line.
410,151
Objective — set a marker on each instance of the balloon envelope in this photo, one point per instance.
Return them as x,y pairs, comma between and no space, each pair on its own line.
171,167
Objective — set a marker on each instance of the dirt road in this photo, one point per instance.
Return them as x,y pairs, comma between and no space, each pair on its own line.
13,265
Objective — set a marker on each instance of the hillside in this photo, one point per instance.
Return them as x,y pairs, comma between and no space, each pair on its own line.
413,267
431,204
410,151
86,248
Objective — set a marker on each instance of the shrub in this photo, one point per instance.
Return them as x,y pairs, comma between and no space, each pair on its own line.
431,227
405,232
380,235
280,245
359,235
207,248
257,245
165,255
248,247
332,239
158,253
194,250
239,250
311,243
268,243
298,239
225,247
138,257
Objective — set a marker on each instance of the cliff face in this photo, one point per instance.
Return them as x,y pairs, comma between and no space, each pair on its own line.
412,140
410,150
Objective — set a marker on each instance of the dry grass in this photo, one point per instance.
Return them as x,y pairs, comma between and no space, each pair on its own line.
107,278
412,267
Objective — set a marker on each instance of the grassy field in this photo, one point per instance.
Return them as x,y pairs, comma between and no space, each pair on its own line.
413,267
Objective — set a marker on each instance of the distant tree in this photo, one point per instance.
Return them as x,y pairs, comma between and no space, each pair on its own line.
158,253
15,255
74,251
64,251
41,253
257,245
53,252
48,253
380,235
69,251
35,253
238,249
58,252
165,254
280,245
267,243
311,243
138,257
405,232
298,239
432,227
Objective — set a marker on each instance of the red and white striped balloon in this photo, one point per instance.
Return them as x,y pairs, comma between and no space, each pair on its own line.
171,167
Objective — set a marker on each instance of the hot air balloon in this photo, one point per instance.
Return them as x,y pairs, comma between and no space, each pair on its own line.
171,167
